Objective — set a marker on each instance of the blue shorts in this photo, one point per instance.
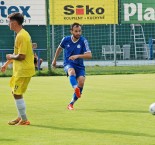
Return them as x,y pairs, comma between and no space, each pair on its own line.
78,70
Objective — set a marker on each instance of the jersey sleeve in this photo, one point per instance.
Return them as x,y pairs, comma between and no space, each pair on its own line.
86,46
62,43
22,45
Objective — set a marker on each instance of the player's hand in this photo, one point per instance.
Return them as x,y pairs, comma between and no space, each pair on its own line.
54,64
3,68
73,57
9,56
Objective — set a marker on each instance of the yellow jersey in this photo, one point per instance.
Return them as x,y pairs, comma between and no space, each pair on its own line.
23,45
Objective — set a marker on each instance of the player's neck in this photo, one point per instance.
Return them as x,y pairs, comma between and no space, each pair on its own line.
74,39
18,29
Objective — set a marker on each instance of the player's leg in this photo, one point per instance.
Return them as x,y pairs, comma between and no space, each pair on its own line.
40,61
72,78
80,80
19,86
35,63
21,107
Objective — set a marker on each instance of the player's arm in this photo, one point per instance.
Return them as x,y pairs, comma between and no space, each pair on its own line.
57,53
87,55
19,57
4,67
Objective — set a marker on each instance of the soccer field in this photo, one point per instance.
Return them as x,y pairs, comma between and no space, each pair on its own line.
113,110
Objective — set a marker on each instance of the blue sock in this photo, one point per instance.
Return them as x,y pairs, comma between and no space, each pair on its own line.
75,98
81,89
73,81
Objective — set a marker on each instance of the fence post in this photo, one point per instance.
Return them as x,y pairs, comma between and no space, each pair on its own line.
115,63
151,48
115,17
48,36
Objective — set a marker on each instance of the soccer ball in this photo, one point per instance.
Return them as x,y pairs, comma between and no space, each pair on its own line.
152,108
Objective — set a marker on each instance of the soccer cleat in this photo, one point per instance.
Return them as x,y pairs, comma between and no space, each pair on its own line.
77,92
23,122
70,107
14,122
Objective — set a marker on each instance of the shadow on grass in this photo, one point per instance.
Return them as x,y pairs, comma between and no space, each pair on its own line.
6,139
115,111
114,132
122,111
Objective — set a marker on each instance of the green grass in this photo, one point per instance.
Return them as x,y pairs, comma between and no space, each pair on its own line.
113,110
96,70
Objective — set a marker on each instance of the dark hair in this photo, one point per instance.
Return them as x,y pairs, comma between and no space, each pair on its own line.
75,25
17,17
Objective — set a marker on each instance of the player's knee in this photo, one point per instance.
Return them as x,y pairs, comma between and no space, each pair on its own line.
81,81
17,96
80,85
71,72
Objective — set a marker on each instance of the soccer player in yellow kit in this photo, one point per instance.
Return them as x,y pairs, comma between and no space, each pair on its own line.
23,66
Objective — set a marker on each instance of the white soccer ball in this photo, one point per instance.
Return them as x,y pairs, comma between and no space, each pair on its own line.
152,108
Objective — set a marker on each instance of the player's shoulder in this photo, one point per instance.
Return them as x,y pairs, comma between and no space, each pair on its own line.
82,38
67,37
23,33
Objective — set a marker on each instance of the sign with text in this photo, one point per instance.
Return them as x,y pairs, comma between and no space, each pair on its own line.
84,12
134,11
34,12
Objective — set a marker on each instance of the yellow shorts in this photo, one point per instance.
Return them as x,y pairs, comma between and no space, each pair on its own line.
19,84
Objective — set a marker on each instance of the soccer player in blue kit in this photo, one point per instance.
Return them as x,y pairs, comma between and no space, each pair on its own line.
76,49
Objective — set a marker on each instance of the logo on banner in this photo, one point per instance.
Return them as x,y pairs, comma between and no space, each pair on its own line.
6,10
139,12
83,12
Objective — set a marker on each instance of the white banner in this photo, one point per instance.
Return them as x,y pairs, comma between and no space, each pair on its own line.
34,11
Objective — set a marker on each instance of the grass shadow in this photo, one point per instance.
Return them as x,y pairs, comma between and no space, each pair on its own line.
122,111
114,132
115,111
6,139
